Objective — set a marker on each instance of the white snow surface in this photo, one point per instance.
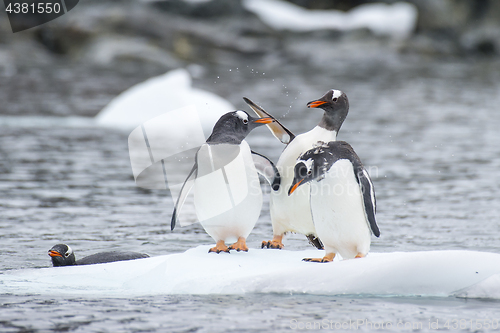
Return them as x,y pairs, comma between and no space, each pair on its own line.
397,20
159,95
432,273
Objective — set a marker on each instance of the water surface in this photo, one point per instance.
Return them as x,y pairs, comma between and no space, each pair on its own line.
426,130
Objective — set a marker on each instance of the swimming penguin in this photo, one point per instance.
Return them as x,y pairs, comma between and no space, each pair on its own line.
342,199
293,213
227,193
63,255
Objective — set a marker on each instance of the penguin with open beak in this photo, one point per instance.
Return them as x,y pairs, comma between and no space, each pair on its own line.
293,213
227,193
342,199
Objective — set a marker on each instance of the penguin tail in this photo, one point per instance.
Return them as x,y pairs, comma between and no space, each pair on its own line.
315,241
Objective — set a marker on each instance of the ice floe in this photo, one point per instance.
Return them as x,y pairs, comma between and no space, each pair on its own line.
431,273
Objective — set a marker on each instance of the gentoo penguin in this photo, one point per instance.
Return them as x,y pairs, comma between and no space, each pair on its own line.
293,213
227,193
63,255
342,199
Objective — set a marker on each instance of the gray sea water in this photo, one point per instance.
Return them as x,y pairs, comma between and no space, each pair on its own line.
428,132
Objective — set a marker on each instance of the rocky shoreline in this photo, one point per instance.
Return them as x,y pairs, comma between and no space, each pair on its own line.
103,47
171,33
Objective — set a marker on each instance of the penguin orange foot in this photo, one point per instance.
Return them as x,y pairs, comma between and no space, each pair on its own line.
275,243
328,258
360,255
240,245
219,247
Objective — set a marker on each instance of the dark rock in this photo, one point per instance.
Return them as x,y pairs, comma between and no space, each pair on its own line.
444,27
486,47
153,35
201,9
343,5
472,25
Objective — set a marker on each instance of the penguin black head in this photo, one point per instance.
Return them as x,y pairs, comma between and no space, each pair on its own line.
311,165
336,106
62,255
233,127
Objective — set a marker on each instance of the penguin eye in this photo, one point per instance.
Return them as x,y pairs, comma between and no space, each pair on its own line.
66,254
335,99
309,172
245,121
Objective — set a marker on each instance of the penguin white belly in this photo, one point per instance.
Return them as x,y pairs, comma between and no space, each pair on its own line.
338,212
293,213
227,193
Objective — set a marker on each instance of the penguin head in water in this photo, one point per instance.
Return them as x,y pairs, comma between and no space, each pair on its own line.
336,106
233,127
62,255
311,165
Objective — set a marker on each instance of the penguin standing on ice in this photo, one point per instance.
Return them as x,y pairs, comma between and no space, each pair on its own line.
293,213
227,193
342,199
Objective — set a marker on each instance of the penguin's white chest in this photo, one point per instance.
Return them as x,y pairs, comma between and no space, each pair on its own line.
293,213
338,211
227,193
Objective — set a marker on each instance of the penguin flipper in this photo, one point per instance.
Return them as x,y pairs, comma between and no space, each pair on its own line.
368,193
279,131
267,169
185,189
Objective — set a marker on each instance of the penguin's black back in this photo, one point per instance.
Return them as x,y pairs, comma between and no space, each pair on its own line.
105,257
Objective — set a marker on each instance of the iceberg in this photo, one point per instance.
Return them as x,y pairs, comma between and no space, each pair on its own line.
456,273
159,95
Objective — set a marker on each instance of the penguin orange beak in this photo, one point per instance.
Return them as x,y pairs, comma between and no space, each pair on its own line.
54,254
294,187
266,120
315,104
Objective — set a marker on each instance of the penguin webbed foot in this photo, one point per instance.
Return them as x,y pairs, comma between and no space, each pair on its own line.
275,243
240,245
219,247
327,258
272,245
216,250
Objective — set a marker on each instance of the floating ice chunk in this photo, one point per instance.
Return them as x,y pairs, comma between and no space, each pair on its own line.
432,273
160,95
397,20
